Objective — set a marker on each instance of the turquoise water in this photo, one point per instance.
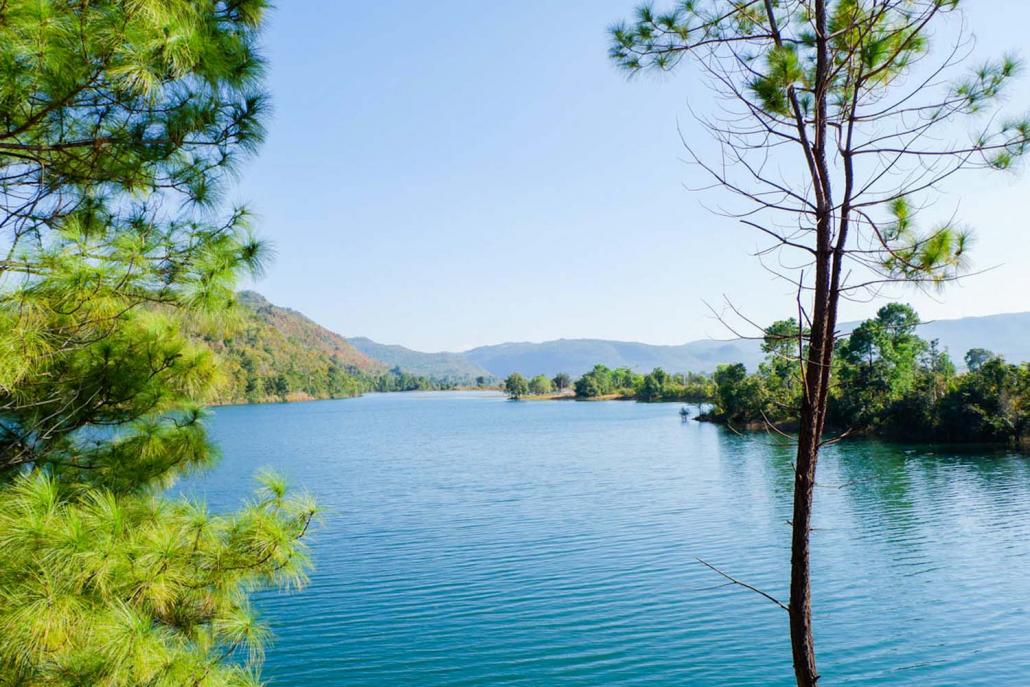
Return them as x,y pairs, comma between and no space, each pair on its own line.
473,541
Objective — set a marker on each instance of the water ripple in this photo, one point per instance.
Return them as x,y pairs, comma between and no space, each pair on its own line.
471,541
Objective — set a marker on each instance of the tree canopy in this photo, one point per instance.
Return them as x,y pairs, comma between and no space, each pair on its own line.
120,125
516,386
891,383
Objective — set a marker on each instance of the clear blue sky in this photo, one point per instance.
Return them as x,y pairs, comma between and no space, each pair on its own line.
449,174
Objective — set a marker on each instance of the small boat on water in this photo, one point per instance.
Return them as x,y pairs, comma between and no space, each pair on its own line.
684,413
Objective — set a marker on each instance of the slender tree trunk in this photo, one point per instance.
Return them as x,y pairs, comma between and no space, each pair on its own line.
816,380
816,370
801,639
813,419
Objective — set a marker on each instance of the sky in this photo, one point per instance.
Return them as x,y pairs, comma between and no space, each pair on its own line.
458,173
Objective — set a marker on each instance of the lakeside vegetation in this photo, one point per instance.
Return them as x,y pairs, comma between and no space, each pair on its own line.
621,383
657,385
603,383
887,382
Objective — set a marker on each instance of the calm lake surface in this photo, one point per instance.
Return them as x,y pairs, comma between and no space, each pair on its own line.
473,541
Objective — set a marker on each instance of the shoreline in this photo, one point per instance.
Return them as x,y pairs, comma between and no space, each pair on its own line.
789,427
785,428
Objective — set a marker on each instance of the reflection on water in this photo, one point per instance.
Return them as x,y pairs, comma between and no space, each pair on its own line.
473,541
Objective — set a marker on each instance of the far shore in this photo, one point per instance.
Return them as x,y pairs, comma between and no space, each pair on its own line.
567,395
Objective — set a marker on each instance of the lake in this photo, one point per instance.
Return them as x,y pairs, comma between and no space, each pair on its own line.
469,540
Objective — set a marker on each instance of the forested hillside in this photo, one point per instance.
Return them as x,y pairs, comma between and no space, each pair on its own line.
279,354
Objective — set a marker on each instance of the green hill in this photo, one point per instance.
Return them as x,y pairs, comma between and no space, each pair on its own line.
279,354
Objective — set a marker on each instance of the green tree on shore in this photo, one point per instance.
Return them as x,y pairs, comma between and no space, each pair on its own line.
540,385
516,386
878,363
739,398
890,383
975,358
779,371
119,125
652,388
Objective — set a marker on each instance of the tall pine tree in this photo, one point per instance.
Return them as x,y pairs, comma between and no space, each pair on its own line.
120,123
835,123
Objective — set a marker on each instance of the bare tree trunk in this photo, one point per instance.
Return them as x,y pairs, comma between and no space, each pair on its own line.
816,380
835,95
816,374
801,640
813,419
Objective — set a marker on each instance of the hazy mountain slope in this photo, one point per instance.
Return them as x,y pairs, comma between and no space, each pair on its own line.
577,356
1008,335
454,366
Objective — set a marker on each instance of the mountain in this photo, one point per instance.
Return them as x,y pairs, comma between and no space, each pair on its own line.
452,366
577,356
1007,335
277,353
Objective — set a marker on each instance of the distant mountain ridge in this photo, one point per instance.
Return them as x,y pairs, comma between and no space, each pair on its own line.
577,356
453,366
282,341
1006,334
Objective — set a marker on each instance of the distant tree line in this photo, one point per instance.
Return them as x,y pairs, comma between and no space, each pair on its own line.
887,381
657,385
623,383
517,386
397,379
332,381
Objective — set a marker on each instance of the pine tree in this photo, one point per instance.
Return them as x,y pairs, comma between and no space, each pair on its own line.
835,122
120,123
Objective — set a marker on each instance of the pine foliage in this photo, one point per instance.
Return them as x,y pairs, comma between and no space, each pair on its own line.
120,125
103,589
